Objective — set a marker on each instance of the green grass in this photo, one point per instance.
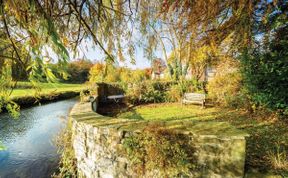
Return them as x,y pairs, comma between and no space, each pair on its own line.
267,135
170,111
46,88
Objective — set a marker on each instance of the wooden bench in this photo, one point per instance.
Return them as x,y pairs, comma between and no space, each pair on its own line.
194,98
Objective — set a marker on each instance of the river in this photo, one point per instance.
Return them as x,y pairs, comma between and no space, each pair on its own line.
30,152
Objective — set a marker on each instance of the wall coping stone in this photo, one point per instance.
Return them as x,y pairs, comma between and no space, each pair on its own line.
83,113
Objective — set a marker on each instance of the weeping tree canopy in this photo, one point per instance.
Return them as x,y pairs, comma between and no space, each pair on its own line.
31,29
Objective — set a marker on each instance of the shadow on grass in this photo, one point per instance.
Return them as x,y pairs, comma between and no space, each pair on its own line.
268,139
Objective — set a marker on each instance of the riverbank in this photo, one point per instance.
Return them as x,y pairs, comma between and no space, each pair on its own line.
27,89
27,101
25,96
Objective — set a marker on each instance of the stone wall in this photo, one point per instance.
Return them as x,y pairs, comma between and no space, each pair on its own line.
97,141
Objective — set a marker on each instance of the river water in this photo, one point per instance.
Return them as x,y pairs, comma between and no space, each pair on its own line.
30,152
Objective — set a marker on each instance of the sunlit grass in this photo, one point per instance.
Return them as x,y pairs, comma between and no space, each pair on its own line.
47,88
169,111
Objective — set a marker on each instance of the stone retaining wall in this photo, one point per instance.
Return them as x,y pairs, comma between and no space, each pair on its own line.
97,141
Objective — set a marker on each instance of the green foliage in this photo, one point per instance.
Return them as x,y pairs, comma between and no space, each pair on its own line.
265,73
152,95
278,158
2,147
67,165
77,71
110,73
159,92
177,70
157,148
13,109
6,102
176,91
148,91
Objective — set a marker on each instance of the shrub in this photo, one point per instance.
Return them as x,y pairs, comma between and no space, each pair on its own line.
174,94
278,158
226,86
167,151
266,78
145,92
134,91
67,165
78,71
75,72
159,91
152,95
177,90
148,91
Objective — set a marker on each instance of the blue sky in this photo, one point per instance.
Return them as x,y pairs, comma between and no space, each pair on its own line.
88,51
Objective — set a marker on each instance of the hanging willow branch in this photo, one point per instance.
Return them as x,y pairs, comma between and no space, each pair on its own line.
9,36
85,24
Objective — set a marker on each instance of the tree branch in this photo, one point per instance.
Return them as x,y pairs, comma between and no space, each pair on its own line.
9,36
84,23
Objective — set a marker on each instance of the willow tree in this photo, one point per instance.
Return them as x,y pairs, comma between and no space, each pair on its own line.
30,31
191,26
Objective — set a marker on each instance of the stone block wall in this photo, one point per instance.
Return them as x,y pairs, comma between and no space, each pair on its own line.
97,141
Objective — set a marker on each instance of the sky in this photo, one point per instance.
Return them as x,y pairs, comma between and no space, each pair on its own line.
87,51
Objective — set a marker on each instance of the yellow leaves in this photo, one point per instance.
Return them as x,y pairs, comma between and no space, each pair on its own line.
226,84
200,54
13,7
65,41
97,72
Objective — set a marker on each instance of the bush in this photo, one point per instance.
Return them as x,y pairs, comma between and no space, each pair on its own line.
159,91
146,92
170,153
265,72
177,90
105,72
67,164
134,91
152,95
174,94
78,71
226,87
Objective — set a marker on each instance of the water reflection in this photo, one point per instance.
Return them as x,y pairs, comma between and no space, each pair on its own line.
30,151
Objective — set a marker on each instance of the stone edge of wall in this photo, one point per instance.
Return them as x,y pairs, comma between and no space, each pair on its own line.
93,160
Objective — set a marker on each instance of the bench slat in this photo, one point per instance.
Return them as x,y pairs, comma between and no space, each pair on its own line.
196,98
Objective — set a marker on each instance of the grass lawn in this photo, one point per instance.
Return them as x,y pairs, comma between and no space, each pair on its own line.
46,88
267,146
